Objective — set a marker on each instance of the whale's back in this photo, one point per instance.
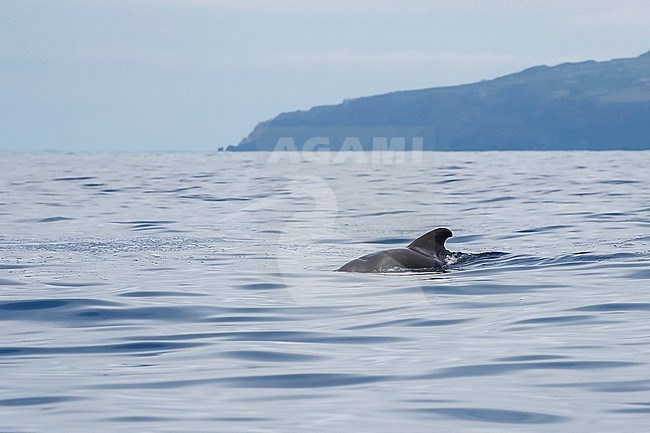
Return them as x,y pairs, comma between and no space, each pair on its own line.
400,258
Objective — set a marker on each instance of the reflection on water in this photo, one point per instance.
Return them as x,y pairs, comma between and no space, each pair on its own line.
187,292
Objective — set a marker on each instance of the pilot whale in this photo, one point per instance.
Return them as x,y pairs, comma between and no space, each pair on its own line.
427,252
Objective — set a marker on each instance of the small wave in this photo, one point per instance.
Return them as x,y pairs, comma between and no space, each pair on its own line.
411,323
209,198
530,358
139,419
246,319
497,199
13,266
70,179
387,241
263,286
618,182
306,337
269,356
137,222
638,410
383,213
447,181
583,257
142,225
499,416
302,380
466,259
560,320
89,311
171,191
475,289
7,282
157,294
501,261
37,401
643,274
505,368
34,305
139,347
52,219
616,307
296,380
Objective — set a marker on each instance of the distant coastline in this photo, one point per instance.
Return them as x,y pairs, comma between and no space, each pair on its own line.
573,106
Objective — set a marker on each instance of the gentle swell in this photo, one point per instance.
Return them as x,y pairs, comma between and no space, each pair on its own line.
196,292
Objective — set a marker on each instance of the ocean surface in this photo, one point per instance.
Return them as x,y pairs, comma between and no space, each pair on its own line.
197,293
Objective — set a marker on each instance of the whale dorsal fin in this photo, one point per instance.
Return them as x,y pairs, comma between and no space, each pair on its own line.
433,241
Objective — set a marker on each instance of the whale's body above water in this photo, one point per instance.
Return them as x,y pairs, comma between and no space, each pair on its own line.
427,252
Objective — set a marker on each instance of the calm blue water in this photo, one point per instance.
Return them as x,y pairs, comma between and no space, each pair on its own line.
196,293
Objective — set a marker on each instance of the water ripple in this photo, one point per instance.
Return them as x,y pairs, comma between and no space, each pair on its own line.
411,322
302,380
37,401
554,319
505,368
7,282
499,416
147,347
196,292
616,307
269,356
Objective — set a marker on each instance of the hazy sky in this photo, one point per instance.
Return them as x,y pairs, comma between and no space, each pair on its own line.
198,74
